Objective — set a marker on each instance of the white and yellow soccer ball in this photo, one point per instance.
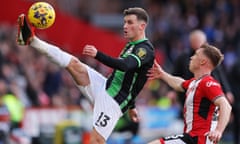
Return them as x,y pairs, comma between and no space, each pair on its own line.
41,15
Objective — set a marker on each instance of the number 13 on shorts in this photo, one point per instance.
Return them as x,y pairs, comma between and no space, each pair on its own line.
102,120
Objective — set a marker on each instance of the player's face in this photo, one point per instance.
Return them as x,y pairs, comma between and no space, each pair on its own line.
132,27
196,60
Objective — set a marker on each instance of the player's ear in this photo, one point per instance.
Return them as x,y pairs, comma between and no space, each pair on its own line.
142,25
203,61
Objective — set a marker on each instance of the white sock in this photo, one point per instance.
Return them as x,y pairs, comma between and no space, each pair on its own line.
54,53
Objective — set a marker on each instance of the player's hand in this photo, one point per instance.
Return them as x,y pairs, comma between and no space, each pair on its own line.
90,50
214,136
133,114
155,72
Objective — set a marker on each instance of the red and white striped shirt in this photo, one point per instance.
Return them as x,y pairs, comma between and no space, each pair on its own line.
199,107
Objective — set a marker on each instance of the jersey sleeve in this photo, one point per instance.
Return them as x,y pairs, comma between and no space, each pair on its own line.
122,64
212,89
140,55
186,84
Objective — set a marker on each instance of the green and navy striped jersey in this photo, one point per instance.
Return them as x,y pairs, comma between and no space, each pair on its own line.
124,85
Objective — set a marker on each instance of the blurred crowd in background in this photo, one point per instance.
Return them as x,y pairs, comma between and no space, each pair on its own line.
35,82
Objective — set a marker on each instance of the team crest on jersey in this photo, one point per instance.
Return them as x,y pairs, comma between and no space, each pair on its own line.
141,53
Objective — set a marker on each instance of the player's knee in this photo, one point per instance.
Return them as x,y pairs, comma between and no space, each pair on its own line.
76,66
78,71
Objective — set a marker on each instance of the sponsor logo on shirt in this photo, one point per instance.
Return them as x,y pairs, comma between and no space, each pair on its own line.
211,83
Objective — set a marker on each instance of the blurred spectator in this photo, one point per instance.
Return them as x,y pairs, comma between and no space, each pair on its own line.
4,115
15,108
235,83
52,81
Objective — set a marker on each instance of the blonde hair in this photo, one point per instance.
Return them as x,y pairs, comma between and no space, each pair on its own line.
213,53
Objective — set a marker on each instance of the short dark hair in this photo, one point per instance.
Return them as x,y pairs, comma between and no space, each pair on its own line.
213,53
139,12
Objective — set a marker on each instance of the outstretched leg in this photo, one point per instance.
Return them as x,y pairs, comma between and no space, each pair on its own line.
73,65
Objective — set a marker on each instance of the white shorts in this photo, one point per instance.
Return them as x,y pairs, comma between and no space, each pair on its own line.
106,111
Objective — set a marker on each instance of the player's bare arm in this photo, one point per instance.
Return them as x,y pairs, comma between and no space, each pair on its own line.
224,112
157,72
224,116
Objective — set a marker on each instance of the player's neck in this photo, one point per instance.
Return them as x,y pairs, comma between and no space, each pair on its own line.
200,74
137,38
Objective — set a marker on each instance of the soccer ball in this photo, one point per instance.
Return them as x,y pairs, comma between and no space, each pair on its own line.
41,15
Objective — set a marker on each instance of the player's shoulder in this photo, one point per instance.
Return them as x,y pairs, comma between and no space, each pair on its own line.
145,44
144,48
209,81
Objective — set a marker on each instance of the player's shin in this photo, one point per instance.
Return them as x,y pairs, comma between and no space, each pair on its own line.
55,54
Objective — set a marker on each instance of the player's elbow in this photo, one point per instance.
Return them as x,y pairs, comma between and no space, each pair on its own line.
224,104
229,107
127,65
